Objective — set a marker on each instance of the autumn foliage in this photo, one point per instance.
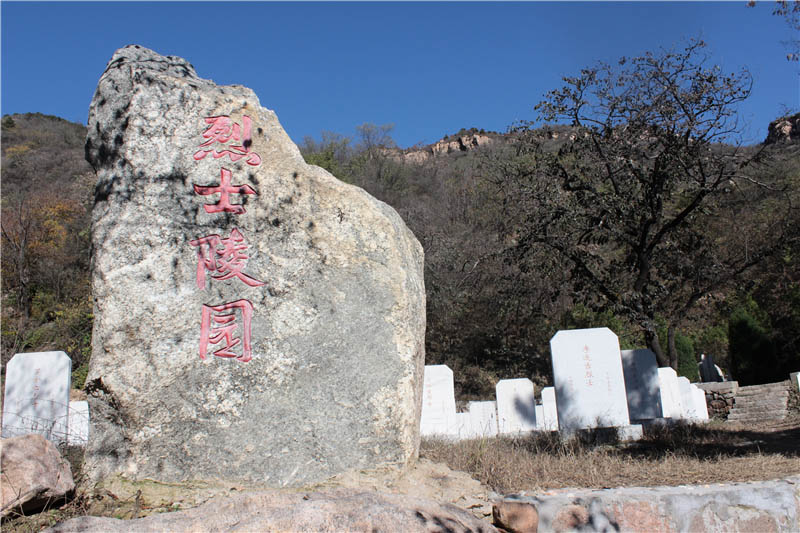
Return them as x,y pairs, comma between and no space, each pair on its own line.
45,238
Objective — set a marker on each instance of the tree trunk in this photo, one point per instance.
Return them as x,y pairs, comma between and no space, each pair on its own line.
673,353
651,338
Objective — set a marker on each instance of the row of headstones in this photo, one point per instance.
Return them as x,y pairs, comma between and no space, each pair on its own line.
36,399
37,395
596,385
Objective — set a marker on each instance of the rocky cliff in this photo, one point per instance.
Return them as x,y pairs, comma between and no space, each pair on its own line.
784,130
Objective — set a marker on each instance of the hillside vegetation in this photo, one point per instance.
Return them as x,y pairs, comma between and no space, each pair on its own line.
46,218
641,214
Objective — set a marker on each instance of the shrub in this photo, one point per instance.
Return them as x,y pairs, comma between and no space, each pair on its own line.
752,353
687,363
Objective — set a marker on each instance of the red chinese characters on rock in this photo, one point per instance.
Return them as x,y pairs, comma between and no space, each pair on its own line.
218,327
225,189
222,130
224,258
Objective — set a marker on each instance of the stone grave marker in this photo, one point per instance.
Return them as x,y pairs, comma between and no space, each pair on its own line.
539,410
484,418
36,398
516,413
78,423
256,319
794,377
588,378
549,410
671,403
480,421
709,372
700,404
438,402
461,429
642,387
688,399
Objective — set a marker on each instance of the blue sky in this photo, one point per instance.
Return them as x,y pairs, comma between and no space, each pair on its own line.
428,68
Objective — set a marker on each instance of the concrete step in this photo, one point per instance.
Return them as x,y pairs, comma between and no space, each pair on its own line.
763,392
752,414
759,406
755,420
769,394
773,412
766,386
772,394
763,389
760,401
772,418
751,418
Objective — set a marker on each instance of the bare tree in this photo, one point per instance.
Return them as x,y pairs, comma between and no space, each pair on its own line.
629,200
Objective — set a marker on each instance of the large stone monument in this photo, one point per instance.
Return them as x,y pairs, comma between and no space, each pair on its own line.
256,319
588,378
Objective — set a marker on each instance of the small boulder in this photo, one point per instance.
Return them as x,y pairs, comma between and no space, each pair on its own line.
34,476
516,517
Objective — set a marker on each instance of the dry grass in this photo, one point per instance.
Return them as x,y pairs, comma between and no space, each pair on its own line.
684,454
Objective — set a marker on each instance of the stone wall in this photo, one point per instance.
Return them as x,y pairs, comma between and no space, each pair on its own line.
720,397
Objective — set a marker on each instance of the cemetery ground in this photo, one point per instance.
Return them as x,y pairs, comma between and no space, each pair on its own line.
716,452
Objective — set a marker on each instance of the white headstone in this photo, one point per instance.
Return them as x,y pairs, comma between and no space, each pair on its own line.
438,402
794,377
480,421
631,432
78,423
36,399
688,400
550,422
700,405
671,403
641,384
587,373
516,406
539,410
461,429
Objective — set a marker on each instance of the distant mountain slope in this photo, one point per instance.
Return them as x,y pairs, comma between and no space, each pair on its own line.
46,215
